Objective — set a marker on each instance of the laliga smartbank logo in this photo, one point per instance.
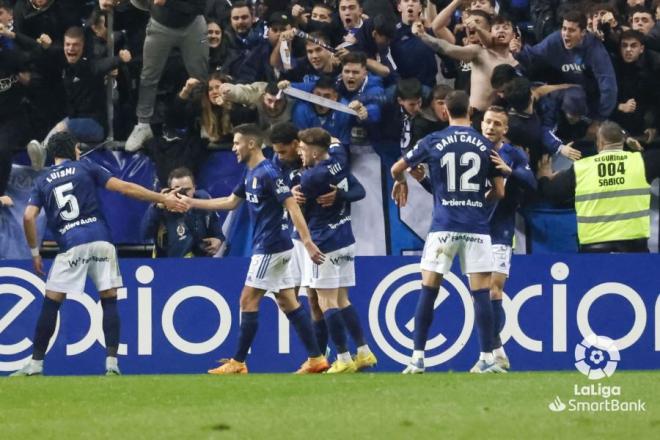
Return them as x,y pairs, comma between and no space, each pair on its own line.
597,357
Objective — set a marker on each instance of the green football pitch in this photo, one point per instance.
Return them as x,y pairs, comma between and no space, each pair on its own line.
274,406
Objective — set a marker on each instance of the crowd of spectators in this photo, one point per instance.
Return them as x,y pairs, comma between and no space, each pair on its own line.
185,72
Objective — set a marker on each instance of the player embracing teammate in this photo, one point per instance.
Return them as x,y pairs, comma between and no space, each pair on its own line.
330,228
464,181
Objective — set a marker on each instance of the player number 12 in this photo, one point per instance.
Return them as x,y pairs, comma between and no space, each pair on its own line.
467,159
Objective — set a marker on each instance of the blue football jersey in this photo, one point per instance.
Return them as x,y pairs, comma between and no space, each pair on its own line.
330,227
265,190
503,219
338,152
460,169
290,170
67,193
291,173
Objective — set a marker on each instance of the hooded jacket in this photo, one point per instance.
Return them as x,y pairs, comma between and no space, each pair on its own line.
588,65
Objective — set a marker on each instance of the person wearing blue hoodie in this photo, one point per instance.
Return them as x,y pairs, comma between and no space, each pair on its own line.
579,58
361,91
307,115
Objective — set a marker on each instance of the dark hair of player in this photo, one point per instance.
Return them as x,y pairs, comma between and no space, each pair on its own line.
62,145
250,131
283,133
498,109
457,103
315,136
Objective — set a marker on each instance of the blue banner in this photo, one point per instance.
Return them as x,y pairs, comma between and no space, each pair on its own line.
180,316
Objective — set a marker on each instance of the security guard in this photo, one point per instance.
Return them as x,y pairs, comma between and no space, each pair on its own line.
611,191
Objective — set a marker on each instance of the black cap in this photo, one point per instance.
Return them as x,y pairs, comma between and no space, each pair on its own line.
279,18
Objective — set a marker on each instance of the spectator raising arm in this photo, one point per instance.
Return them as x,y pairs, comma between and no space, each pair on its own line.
461,53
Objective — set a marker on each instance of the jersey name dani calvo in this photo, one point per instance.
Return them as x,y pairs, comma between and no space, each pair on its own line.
265,190
68,194
460,171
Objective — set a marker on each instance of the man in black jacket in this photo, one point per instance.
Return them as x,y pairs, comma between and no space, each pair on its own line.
637,71
85,104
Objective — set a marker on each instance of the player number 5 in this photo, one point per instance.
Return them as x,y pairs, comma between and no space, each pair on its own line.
67,201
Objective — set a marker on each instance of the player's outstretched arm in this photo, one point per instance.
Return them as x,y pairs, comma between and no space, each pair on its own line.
30,228
170,200
228,203
301,226
400,188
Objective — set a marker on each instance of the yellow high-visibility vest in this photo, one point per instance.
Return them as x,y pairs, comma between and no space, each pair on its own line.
612,197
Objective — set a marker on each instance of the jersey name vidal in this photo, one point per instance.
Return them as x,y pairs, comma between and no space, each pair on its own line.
67,192
264,189
460,168
330,227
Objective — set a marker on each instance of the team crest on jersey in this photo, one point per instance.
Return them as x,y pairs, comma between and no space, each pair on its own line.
180,230
281,187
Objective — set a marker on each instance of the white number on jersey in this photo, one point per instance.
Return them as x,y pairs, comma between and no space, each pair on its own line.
469,158
68,201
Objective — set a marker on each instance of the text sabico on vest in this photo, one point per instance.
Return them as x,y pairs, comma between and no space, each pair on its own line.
611,169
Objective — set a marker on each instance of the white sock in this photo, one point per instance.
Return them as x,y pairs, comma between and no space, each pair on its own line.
418,355
142,124
36,363
364,349
488,357
111,362
499,352
345,357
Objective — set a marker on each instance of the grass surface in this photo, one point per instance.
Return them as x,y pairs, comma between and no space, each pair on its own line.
261,406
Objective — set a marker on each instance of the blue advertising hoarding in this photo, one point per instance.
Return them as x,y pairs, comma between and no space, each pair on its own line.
181,315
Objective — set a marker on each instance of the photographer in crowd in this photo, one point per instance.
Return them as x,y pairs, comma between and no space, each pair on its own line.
194,233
